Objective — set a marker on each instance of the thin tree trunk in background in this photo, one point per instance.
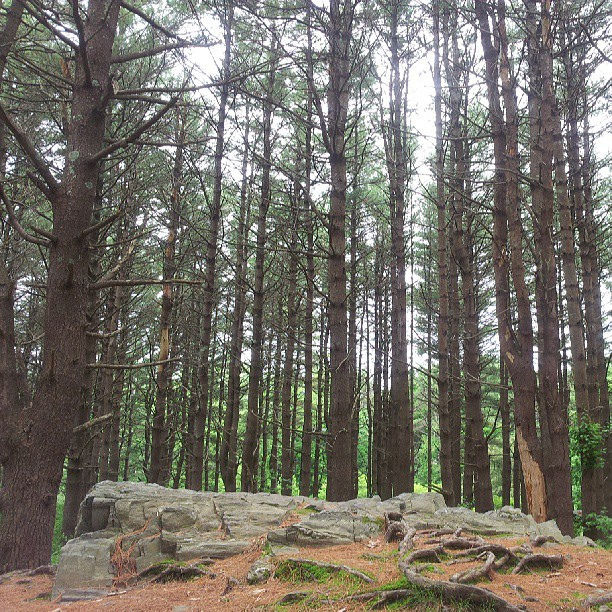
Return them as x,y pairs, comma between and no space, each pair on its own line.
265,423
599,401
211,257
240,290
306,463
444,417
321,386
504,409
288,367
164,369
276,401
230,429
352,328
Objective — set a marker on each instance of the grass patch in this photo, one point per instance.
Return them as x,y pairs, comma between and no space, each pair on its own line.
288,571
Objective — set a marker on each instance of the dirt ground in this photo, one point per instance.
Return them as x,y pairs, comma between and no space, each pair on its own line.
585,570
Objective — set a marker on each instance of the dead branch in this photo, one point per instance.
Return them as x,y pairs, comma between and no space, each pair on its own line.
93,423
538,559
474,574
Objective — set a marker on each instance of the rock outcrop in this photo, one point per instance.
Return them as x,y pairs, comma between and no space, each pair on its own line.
160,524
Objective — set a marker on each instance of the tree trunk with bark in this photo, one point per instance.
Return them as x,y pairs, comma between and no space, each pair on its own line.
36,439
200,417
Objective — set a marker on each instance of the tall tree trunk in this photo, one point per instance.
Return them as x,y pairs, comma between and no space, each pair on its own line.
339,481
396,156
276,402
237,331
33,463
249,453
211,256
444,420
553,418
286,471
164,370
517,349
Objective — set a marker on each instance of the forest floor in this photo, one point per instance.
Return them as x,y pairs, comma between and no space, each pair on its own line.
585,571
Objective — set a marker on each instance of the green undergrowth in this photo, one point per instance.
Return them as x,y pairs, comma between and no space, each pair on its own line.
59,539
290,571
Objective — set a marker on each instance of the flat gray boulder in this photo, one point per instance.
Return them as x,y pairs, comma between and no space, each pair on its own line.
159,524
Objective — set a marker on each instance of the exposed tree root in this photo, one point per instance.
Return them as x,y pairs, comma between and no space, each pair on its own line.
408,542
540,540
395,531
463,543
474,574
381,598
497,549
538,559
293,597
179,572
425,553
501,562
451,591
330,567
597,600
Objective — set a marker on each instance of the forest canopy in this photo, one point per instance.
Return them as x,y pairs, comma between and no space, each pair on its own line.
331,248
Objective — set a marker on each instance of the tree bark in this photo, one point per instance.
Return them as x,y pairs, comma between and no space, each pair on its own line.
33,462
211,257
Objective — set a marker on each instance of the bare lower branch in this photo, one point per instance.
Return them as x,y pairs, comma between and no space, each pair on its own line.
15,222
137,282
129,366
93,423
120,144
29,149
